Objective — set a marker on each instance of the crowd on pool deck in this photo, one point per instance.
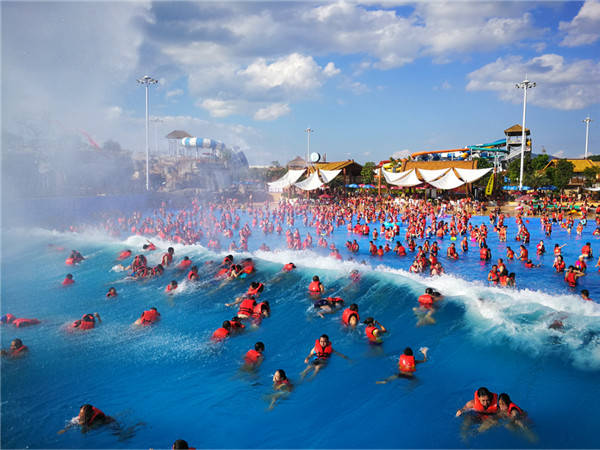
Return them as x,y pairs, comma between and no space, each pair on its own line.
423,220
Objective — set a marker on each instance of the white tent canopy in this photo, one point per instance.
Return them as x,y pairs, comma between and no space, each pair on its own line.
311,183
287,180
410,179
328,175
392,177
448,181
470,175
594,189
430,175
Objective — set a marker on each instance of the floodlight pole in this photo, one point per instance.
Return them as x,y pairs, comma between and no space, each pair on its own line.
308,130
146,81
587,121
525,84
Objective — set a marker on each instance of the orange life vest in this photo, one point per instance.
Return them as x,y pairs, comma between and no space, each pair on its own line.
323,353
252,357
256,290
426,301
149,317
314,286
347,314
406,363
247,307
493,408
97,414
288,267
220,334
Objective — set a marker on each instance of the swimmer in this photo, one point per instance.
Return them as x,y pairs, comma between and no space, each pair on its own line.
16,350
516,416
571,276
89,417
18,322
424,312
149,247
223,332
171,286
484,405
585,295
68,280
322,352
316,287
350,316
236,325
193,274
288,267
185,263
281,386
327,305
112,292
148,317
255,289
355,275
124,255
255,357
167,258
406,365
374,330
180,444
247,304
87,322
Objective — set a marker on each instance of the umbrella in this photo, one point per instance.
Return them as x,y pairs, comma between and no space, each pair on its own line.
367,186
325,196
353,186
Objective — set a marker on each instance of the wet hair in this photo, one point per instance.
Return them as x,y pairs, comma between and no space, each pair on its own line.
259,346
353,307
180,443
505,398
324,336
18,342
316,278
429,291
88,411
226,325
369,320
185,258
282,374
408,351
194,269
483,392
171,250
145,246
585,292
69,276
174,282
154,308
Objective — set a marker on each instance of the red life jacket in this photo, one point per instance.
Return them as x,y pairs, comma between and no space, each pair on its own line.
369,332
191,275
124,254
248,268
483,253
493,277
406,363
19,351
167,259
97,414
24,322
513,406
314,287
69,261
323,353
220,334
247,307
288,267
149,317
571,279
257,312
170,288
493,408
68,281
252,356
87,322
256,290
585,250
347,314
426,301
185,264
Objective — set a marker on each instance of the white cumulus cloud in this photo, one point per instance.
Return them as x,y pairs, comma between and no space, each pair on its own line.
272,112
560,84
584,29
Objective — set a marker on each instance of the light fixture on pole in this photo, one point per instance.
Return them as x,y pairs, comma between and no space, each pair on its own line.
146,81
525,84
308,130
587,121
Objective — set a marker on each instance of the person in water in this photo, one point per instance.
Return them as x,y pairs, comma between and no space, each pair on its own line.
68,280
350,316
148,317
374,331
316,287
112,292
87,322
180,444
171,286
322,351
425,310
327,305
89,417
281,385
406,365
16,350
289,267
255,357
484,402
18,322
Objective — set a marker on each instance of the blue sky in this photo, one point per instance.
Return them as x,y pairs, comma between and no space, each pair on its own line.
371,78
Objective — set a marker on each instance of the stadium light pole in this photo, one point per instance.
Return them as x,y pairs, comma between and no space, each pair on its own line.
308,130
146,81
587,121
156,121
525,84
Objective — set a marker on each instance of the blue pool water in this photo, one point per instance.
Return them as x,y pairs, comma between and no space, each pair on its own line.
168,381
